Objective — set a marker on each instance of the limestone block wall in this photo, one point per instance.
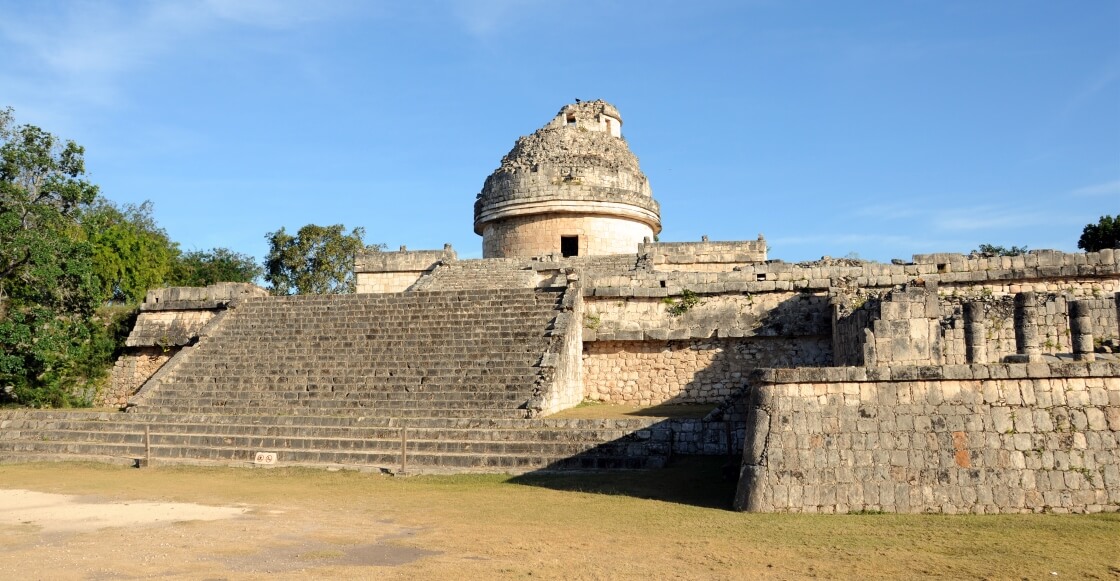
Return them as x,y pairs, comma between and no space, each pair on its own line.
386,282
1081,275
703,316
167,328
922,325
689,371
394,272
539,234
1042,437
129,372
703,256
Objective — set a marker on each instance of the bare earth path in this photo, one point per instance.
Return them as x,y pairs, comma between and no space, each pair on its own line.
203,523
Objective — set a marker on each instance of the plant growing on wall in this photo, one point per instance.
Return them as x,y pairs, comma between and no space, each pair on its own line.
678,307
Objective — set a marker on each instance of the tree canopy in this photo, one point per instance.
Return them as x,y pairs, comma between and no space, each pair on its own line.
317,260
1103,234
53,346
205,267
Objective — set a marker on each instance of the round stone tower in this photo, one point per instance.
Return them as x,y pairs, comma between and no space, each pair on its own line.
572,188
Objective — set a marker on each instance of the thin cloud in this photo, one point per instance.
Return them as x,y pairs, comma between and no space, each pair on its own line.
486,18
1106,189
83,50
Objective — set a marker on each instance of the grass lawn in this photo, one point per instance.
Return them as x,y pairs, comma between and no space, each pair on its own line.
669,524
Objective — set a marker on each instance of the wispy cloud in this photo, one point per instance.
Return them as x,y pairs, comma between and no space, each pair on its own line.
80,52
1088,91
485,18
1106,189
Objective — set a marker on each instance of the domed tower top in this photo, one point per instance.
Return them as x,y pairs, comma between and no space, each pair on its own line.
573,187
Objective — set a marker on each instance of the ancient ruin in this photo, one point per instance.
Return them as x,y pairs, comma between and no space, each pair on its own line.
946,383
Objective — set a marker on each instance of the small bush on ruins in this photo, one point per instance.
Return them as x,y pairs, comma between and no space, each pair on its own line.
994,250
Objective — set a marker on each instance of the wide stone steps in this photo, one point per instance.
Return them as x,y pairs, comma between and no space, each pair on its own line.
397,401
336,354
431,444
213,418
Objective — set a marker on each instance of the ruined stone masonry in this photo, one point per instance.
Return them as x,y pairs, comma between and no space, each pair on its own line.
947,383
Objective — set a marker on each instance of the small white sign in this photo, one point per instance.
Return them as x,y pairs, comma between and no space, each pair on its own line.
265,458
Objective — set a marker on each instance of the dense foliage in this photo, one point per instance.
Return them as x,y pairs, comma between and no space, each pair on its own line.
73,267
1103,234
205,267
317,260
53,346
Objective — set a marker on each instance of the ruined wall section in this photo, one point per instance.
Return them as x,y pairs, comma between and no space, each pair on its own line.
170,319
394,272
688,371
953,439
703,256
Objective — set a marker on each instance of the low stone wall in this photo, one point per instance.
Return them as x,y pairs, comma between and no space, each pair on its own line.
393,272
691,371
1040,437
130,372
703,256
1082,275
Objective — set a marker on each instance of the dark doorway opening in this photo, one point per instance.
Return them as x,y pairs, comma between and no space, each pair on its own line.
569,246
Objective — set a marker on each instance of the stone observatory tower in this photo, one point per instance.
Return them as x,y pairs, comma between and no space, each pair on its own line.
572,188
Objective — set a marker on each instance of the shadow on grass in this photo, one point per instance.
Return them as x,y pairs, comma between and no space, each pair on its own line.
692,480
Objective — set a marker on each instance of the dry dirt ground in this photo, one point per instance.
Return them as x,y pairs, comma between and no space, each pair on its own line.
79,521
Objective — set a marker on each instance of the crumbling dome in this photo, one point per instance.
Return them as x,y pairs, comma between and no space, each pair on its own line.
573,188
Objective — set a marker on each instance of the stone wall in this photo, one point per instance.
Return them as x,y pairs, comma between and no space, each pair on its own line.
690,371
703,256
920,324
129,372
978,438
702,316
1081,275
539,234
393,272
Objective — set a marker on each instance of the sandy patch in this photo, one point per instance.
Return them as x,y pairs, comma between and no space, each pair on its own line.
51,513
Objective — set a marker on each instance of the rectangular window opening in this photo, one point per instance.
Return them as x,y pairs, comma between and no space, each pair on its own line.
571,119
569,246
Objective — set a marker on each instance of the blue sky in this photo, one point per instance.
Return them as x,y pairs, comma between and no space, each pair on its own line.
880,128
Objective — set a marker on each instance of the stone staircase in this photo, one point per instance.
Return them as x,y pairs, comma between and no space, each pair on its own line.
428,380
491,273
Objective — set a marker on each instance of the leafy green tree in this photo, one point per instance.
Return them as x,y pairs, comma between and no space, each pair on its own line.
131,253
41,189
52,346
204,267
1103,234
317,260
993,250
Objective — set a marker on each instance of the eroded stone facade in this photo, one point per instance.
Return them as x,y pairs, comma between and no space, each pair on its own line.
573,187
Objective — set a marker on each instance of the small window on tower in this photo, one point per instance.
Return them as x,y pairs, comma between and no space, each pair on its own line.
571,119
569,246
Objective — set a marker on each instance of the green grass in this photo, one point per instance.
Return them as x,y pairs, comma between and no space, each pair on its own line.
671,523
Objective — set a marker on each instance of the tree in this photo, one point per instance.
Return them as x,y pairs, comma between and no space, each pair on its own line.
993,250
317,260
131,253
52,346
41,188
1103,234
205,267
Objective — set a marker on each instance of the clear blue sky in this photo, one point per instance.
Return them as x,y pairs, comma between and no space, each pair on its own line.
881,128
